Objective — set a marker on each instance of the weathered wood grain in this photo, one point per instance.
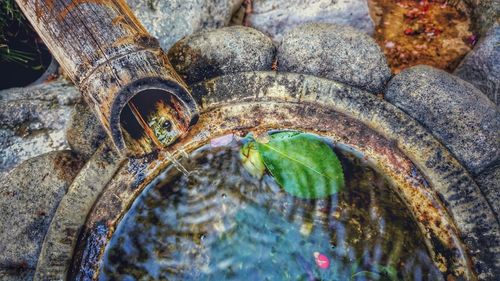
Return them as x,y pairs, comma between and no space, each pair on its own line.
109,56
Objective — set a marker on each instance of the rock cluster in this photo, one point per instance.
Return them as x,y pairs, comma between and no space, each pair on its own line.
41,124
456,112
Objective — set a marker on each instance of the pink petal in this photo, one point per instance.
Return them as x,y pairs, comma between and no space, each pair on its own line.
221,141
322,261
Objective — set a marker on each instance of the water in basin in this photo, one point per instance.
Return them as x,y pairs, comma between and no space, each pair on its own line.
220,223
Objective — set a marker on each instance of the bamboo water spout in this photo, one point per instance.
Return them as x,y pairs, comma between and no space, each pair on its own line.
119,68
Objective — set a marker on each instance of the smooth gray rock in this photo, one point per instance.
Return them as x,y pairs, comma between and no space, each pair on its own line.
489,182
208,54
481,67
170,20
484,14
84,133
34,120
336,52
457,114
29,198
276,17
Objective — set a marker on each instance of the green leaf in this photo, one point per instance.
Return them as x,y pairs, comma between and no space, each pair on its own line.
252,160
303,164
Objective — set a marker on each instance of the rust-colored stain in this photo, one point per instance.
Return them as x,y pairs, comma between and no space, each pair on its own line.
135,38
118,19
67,167
38,6
137,35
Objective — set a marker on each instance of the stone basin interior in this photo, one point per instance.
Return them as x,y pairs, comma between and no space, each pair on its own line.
220,223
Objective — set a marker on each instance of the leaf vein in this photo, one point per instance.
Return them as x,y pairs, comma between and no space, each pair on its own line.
297,161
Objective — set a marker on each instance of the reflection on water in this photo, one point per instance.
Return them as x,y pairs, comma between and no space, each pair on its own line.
219,223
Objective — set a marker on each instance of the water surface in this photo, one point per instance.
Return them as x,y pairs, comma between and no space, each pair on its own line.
220,223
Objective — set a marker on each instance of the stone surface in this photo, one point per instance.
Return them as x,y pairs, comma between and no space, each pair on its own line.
335,52
29,197
481,67
457,114
489,182
72,213
276,17
33,121
485,13
84,133
170,20
15,275
208,54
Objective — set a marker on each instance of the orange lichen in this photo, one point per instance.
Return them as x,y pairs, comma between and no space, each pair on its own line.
429,32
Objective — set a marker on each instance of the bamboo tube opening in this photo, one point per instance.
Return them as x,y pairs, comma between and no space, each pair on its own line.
150,114
152,120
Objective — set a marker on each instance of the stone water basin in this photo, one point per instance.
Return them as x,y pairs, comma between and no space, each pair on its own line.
396,172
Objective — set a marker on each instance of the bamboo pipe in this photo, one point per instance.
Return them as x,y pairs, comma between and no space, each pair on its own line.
111,58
